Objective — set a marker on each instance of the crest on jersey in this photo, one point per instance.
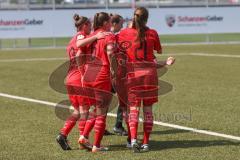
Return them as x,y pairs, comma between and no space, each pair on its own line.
80,37
123,46
170,20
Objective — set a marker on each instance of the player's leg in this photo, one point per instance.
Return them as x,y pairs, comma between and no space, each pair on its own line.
91,116
121,90
99,127
90,122
83,142
84,111
118,128
89,95
82,121
151,93
134,104
68,125
147,126
106,132
133,123
119,118
103,100
126,118
84,138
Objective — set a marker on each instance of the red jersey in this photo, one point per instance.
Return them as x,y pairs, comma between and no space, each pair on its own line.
97,73
96,78
74,76
142,80
137,51
99,47
72,47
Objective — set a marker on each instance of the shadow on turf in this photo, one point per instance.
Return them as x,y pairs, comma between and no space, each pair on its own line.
121,147
170,131
162,145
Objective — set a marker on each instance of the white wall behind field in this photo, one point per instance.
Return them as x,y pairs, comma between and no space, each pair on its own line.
59,23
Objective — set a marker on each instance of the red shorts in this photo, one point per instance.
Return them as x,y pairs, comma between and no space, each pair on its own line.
142,86
77,97
75,90
76,101
97,83
74,97
145,95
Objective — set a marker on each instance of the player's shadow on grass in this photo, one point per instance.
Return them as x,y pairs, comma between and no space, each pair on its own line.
170,131
162,145
117,147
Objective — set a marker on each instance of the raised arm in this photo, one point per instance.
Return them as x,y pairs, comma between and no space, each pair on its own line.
85,41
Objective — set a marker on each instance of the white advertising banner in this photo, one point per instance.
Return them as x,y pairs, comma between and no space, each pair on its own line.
196,20
59,23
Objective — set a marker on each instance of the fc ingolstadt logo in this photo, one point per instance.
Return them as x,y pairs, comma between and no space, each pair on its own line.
170,20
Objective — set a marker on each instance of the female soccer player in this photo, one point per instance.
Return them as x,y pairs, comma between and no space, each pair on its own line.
73,79
140,43
116,25
97,78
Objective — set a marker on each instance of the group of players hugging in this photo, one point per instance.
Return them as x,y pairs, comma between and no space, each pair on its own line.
107,59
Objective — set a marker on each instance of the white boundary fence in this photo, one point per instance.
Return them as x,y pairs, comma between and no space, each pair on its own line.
167,21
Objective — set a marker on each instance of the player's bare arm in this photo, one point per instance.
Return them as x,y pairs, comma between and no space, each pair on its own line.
110,51
170,61
85,41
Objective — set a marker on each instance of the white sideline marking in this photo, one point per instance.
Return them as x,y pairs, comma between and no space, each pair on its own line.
201,43
114,115
32,59
215,55
201,54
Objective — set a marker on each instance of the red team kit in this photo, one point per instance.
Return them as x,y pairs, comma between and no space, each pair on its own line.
103,61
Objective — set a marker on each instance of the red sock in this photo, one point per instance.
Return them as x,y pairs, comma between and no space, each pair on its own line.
88,127
147,126
99,128
125,115
69,124
81,125
133,123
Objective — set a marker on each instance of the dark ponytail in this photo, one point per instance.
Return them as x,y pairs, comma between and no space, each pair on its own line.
95,21
115,18
139,22
99,20
79,21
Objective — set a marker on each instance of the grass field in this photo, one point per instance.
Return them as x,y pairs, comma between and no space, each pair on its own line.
205,96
